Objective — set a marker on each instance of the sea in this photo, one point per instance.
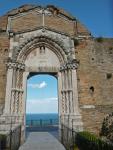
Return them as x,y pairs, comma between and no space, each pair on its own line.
47,118
42,123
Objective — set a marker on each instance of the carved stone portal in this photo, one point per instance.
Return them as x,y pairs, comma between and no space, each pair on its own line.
42,52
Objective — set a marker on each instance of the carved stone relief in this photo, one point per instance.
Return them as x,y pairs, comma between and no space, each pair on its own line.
40,53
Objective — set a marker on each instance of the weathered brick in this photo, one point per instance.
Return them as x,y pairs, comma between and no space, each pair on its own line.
95,61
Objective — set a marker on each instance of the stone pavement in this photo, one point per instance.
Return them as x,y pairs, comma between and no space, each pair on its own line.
41,141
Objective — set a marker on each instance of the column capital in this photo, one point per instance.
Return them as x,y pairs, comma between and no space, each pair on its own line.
69,65
15,65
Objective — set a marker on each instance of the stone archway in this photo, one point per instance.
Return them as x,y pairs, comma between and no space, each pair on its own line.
45,52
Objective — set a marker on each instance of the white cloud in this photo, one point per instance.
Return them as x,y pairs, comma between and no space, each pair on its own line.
51,98
48,105
43,84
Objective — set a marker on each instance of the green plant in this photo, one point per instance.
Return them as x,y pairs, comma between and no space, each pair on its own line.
76,147
107,127
88,141
2,141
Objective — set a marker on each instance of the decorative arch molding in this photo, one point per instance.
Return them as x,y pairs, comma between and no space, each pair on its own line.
17,74
56,45
43,42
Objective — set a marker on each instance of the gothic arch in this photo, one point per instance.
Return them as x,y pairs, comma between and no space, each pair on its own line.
15,101
28,45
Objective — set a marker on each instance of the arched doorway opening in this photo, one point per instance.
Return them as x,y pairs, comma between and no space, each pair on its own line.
44,54
42,104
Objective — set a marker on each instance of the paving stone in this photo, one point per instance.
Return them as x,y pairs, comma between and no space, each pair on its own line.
41,141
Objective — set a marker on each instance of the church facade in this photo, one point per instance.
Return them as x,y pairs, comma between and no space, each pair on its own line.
36,40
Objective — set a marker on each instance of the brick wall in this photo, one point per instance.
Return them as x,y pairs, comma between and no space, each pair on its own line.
95,77
4,45
95,71
59,24
27,22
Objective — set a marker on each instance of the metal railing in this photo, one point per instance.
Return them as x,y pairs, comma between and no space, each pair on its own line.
84,140
11,140
42,123
10,133
68,137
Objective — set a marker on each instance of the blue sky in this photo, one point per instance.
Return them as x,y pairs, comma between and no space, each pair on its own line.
96,15
42,94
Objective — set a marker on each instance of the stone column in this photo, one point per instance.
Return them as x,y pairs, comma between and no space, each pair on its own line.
59,93
13,91
7,109
75,116
25,75
75,92
70,90
67,90
24,98
17,92
71,96
60,102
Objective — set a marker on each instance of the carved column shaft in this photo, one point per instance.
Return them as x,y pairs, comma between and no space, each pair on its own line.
75,92
12,88
59,93
8,90
70,91
62,94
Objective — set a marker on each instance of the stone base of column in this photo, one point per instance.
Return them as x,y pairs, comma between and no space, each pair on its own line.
75,122
65,120
10,132
10,122
72,121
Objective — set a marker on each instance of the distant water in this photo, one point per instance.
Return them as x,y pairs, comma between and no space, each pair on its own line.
45,118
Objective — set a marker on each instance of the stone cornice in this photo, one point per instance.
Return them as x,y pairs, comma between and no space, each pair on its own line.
78,36
11,32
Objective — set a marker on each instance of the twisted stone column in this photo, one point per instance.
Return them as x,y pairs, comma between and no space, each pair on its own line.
71,113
